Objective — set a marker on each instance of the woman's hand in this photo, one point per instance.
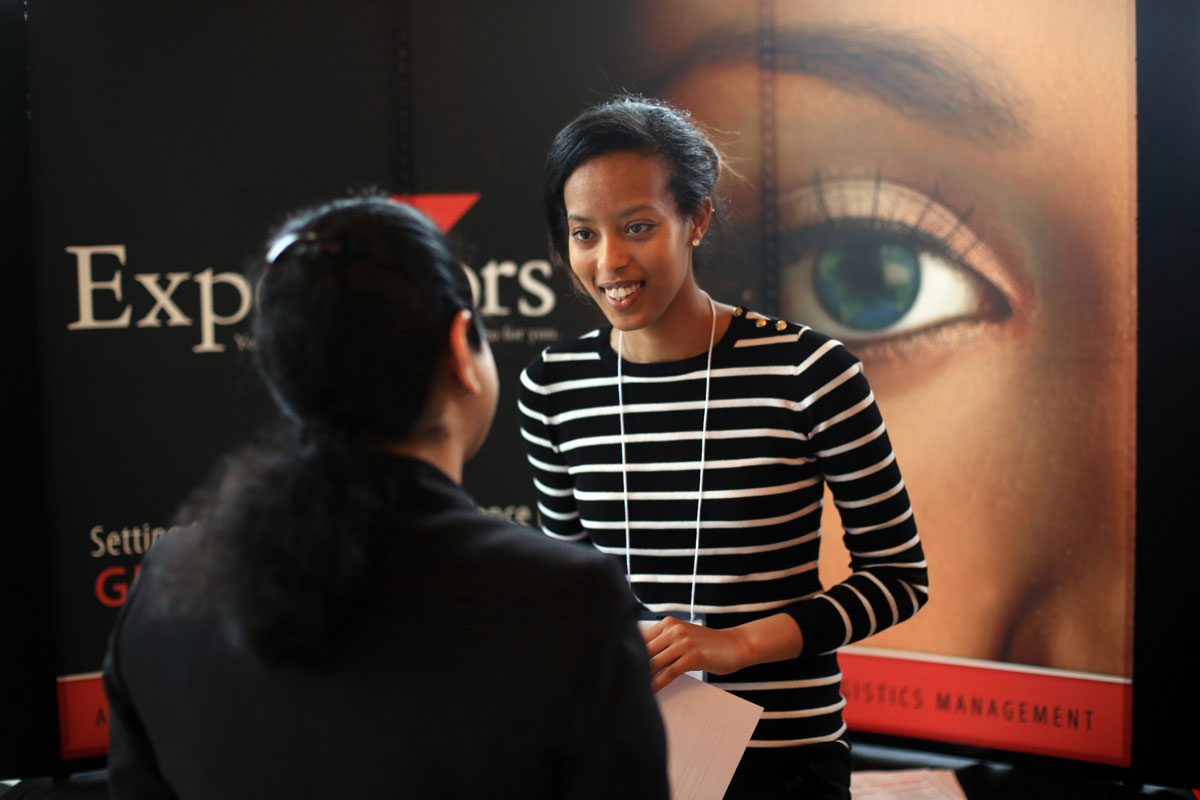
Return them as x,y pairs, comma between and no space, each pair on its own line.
676,647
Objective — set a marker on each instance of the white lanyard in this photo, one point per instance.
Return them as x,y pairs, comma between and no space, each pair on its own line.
712,338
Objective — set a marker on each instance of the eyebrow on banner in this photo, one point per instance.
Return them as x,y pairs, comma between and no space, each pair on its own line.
942,82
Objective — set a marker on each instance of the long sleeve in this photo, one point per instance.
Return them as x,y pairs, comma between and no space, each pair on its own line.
889,580
559,518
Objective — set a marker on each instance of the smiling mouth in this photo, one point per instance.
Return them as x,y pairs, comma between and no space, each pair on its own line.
621,291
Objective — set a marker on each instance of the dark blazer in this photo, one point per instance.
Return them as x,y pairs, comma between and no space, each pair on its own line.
499,663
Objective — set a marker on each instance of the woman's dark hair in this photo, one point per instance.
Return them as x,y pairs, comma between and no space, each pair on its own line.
355,300
630,124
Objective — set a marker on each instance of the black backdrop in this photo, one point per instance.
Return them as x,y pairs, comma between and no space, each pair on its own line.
183,132
1167,601
29,731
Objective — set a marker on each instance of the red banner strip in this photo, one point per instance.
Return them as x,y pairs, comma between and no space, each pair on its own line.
82,716
1044,712
987,704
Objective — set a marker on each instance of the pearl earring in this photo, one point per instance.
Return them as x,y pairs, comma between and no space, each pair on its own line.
695,242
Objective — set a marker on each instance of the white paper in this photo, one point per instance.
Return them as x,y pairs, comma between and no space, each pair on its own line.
911,784
707,732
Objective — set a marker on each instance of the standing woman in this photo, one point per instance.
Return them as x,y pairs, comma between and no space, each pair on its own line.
343,620
692,441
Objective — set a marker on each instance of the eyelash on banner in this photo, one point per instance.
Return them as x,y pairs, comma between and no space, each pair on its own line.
869,260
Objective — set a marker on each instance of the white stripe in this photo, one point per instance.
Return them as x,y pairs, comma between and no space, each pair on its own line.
829,387
845,619
550,358
833,451
534,415
754,686
680,466
796,742
862,473
546,467
546,490
539,441
712,551
888,551
591,412
787,337
886,593
866,605
678,436
744,608
869,501
922,589
724,372
611,380
805,712
904,565
551,388
723,579
803,366
911,595
881,525
844,415
692,494
566,537
689,524
556,515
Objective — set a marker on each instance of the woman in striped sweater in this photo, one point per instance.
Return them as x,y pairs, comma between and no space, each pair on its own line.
693,440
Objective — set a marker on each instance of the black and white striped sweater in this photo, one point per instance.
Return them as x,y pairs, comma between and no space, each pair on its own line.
789,412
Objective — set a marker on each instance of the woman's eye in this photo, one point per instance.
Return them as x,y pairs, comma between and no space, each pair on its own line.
581,235
858,282
636,228
870,272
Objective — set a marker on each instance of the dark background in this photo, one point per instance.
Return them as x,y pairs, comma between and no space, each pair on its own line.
184,132
1166,643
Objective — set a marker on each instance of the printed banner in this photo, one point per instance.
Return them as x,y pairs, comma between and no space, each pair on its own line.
981,704
988,704
995,156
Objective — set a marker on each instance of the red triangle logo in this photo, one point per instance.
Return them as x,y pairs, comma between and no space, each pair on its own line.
444,209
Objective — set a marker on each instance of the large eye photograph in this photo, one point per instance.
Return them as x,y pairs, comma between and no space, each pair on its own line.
877,264
950,190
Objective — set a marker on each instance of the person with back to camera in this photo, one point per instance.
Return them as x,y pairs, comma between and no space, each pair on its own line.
693,440
343,620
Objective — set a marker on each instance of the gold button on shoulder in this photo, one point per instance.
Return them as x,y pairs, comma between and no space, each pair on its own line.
738,311
760,322
781,325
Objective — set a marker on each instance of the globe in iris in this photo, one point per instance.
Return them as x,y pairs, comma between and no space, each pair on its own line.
867,283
